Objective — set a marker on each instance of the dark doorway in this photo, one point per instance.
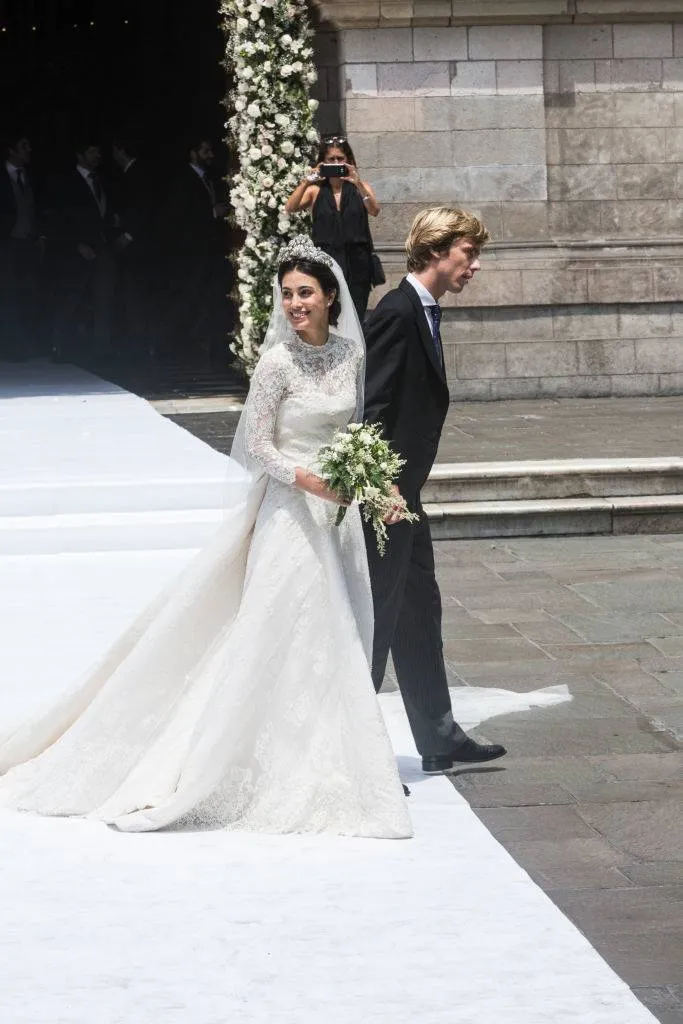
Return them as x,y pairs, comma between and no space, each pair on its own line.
143,70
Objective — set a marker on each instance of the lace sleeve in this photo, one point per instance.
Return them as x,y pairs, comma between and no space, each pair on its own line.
268,388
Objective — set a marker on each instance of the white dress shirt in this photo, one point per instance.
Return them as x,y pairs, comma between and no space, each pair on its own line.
101,203
425,297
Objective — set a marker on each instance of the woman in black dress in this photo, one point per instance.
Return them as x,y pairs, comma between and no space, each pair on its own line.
339,209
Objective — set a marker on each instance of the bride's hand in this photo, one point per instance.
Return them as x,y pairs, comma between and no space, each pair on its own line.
396,513
315,485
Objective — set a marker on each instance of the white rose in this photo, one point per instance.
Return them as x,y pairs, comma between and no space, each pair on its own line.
285,71
267,150
267,66
313,105
247,72
254,110
250,203
267,182
286,40
242,24
281,119
254,153
272,203
287,147
312,135
312,77
297,66
254,16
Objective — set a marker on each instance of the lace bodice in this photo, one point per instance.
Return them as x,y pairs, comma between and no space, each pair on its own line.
300,394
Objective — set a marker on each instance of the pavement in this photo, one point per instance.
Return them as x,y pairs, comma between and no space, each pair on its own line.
589,799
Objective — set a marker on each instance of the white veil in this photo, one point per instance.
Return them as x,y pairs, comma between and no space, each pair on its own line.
279,329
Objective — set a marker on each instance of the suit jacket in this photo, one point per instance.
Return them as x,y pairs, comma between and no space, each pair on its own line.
193,233
137,202
8,206
76,218
406,389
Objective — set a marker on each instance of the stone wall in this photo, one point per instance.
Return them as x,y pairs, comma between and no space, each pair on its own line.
567,139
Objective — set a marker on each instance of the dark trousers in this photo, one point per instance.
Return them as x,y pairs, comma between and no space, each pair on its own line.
138,294
19,272
407,606
81,284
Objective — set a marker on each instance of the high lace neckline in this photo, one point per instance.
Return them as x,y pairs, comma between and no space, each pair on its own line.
306,347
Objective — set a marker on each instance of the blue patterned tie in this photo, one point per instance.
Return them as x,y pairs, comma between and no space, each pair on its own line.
435,313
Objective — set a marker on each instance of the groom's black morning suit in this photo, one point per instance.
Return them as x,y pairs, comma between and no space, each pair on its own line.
407,393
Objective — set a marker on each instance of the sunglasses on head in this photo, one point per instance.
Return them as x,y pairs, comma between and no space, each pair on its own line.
331,139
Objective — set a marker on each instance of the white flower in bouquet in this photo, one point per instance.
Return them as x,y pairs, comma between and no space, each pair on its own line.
359,465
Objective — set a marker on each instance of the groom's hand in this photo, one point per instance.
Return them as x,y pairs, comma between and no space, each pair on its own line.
395,516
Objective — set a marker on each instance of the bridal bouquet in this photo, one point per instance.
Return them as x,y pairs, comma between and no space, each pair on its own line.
361,466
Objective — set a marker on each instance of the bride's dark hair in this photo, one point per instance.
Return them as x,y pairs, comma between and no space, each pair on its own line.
323,275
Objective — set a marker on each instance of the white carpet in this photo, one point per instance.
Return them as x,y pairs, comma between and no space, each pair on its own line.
206,928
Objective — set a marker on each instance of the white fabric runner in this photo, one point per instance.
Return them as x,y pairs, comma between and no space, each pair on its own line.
208,927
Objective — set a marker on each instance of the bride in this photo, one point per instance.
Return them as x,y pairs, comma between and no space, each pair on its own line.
242,697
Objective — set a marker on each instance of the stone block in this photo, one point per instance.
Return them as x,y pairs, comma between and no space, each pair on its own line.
414,79
393,224
520,77
586,110
579,386
541,359
672,74
473,77
678,109
490,183
616,285
505,42
648,320
440,43
462,325
575,146
487,112
545,287
635,384
365,147
358,79
495,288
499,147
647,181
644,75
659,355
644,110
381,114
576,76
491,215
569,219
434,113
672,384
517,387
404,149
674,144
606,357
635,145
632,218
563,42
574,323
643,40
518,323
590,181
469,390
524,222
383,45
480,361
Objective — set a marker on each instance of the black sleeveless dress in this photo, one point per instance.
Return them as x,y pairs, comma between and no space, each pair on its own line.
344,233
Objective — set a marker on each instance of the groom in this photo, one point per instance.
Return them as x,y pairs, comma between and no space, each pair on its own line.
407,393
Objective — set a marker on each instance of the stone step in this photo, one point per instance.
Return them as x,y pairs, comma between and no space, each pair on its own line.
558,478
651,513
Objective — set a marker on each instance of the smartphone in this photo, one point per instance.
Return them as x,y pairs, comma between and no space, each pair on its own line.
333,171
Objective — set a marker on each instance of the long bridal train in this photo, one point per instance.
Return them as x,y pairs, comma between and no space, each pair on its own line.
242,697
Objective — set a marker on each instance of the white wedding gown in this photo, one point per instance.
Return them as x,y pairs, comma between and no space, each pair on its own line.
242,697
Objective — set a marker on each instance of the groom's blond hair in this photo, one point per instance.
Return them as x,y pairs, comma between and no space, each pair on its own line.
433,232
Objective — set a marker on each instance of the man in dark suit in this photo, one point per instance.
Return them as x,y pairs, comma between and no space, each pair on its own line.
21,248
83,227
407,393
137,205
197,250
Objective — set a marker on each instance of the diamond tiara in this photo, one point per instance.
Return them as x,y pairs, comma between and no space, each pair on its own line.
302,248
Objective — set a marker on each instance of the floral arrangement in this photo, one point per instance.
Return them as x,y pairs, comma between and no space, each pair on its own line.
361,466
269,52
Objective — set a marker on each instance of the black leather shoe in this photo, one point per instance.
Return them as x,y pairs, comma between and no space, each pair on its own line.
468,752
406,791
